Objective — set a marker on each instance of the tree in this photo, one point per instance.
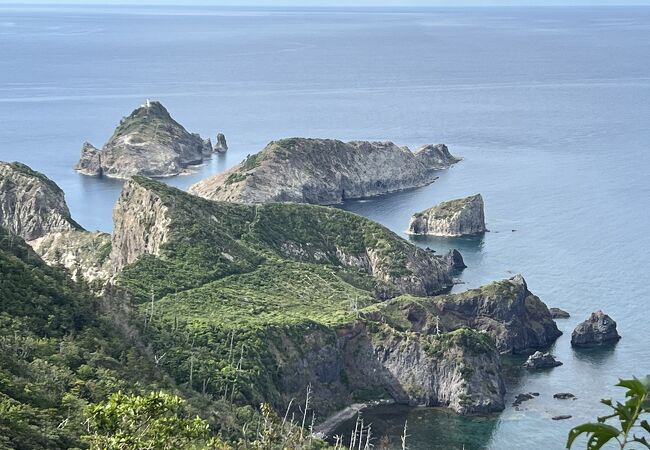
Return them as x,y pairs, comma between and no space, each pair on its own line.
632,416
157,421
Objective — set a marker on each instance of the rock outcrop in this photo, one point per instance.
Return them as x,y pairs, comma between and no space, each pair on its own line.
221,146
506,310
31,205
458,217
558,313
83,253
148,142
539,360
598,329
325,171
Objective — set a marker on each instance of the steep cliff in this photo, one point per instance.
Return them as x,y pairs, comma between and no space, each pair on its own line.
31,205
147,142
325,171
506,310
453,218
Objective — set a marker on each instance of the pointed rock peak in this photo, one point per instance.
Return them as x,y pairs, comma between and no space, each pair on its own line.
152,109
519,281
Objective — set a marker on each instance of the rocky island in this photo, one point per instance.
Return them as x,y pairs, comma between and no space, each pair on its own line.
148,142
458,217
325,171
598,329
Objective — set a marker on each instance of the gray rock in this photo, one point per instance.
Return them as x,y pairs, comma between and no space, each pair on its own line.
324,171
221,146
564,396
464,216
32,205
148,142
539,360
562,417
598,329
558,313
207,148
455,260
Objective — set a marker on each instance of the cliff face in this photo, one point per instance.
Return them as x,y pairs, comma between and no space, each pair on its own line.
325,171
83,253
516,319
148,142
453,218
31,205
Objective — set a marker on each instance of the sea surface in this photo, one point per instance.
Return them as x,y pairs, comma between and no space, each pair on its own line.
549,107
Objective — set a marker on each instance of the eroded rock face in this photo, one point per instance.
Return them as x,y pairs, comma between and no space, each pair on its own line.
148,142
558,313
141,224
83,253
452,371
324,171
459,217
598,329
31,205
539,360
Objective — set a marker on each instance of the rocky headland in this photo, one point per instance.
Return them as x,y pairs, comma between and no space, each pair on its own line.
464,216
32,205
325,171
148,142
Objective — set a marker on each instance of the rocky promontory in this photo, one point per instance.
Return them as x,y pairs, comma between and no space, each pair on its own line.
325,171
32,205
148,142
464,216
598,329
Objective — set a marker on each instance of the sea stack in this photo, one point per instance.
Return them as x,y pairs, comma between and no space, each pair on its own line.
221,146
598,329
148,142
460,217
325,171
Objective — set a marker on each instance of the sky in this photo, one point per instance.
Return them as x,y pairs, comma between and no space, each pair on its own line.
321,3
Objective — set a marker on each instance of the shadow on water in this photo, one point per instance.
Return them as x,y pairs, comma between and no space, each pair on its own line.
430,428
464,244
595,356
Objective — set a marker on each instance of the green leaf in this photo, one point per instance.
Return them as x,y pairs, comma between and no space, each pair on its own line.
645,425
599,434
635,387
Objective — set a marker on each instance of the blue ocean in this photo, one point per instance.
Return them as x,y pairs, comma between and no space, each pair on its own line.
549,107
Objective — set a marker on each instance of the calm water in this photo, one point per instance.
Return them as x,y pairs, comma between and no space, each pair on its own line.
549,107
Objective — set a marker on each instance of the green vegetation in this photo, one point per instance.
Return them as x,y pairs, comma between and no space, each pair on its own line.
28,171
633,427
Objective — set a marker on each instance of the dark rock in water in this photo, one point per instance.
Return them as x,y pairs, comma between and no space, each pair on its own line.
464,216
599,329
207,148
562,417
519,399
564,396
558,313
455,259
148,142
221,146
539,360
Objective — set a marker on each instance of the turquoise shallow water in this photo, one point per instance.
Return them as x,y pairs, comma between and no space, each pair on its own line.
549,108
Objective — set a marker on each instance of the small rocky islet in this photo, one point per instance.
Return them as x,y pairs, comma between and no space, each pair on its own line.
453,218
148,142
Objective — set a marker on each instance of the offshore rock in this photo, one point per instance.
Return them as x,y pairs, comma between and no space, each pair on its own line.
148,142
221,146
539,360
31,205
458,217
324,171
598,329
558,313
